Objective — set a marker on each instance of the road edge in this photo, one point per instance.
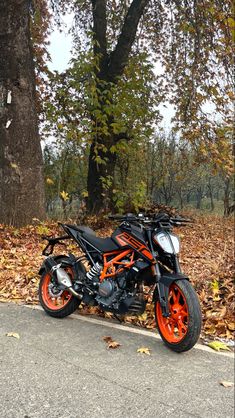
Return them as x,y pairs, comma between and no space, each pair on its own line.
131,329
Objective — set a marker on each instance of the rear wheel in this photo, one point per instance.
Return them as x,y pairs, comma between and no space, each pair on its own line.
57,303
181,330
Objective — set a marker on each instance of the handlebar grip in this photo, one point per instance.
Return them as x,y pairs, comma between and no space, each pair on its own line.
181,220
119,217
128,217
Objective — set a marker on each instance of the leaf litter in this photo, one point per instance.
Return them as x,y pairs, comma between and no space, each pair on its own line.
206,258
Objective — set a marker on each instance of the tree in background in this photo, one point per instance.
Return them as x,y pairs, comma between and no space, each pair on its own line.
133,106
191,41
21,164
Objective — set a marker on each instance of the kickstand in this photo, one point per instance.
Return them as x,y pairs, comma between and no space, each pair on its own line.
117,317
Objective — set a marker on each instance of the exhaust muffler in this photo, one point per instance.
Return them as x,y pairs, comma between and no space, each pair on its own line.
62,278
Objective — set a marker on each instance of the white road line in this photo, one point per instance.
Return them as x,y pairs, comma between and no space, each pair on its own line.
128,328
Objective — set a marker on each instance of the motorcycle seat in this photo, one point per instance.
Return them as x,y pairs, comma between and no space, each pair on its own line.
102,244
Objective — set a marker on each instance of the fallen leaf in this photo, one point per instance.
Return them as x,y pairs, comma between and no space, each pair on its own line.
108,314
222,312
13,165
13,334
226,384
210,329
113,344
64,195
144,350
107,339
218,345
143,317
49,181
231,326
110,342
215,286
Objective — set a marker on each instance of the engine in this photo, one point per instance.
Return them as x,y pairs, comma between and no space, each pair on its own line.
118,295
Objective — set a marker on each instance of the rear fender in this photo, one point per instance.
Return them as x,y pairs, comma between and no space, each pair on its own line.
67,260
161,291
43,267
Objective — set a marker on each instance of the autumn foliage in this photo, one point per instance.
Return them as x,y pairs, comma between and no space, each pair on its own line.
207,257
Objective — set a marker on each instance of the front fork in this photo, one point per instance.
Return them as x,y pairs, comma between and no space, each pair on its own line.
160,290
163,283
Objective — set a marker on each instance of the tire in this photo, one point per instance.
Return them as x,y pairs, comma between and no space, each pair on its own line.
181,330
50,304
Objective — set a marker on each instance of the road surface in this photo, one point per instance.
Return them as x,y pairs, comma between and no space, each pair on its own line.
62,369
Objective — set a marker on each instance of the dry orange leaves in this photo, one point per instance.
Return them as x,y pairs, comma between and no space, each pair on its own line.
206,256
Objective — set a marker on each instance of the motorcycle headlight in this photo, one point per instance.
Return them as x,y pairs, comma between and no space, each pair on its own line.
170,243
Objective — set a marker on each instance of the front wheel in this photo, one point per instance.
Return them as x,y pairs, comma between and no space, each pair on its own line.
181,330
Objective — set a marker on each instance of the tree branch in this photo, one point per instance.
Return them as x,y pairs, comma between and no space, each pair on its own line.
99,28
119,57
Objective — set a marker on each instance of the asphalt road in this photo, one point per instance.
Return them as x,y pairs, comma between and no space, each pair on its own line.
62,368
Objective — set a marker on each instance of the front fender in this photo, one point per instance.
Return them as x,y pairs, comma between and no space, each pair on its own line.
161,291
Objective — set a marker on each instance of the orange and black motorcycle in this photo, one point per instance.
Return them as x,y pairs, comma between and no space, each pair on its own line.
142,252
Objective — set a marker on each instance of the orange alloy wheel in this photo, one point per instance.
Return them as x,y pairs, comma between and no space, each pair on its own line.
54,302
175,327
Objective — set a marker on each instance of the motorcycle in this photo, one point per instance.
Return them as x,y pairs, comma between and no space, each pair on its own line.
141,252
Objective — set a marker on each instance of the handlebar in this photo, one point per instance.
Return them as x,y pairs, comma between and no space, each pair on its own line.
128,217
160,219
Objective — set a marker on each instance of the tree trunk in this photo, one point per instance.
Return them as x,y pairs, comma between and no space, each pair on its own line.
111,66
188,197
226,196
181,200
21,164
100,181
199,196
210,189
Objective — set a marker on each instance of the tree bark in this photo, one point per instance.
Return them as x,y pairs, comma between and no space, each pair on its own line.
112,66
199,196
226,196
119,57
181,199
100,181
21,163
210,190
